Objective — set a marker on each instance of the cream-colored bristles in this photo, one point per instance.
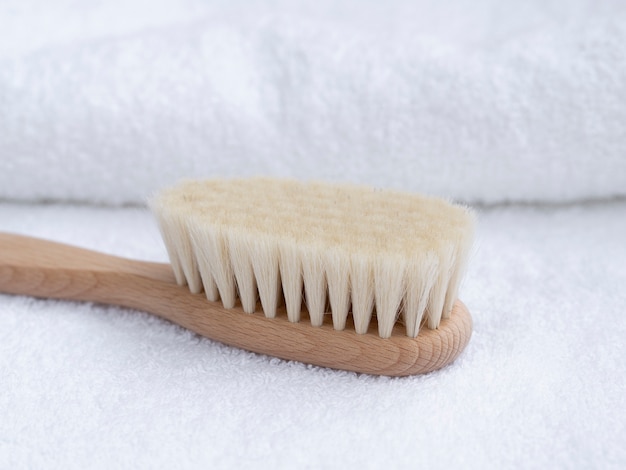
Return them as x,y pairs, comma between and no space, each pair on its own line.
337,249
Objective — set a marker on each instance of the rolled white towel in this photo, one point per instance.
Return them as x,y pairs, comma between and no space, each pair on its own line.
340,93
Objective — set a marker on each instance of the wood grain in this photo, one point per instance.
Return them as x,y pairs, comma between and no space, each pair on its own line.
41,268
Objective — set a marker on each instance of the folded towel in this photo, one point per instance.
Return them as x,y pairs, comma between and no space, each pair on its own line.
477,102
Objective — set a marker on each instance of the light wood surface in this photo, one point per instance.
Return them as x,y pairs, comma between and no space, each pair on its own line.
46,269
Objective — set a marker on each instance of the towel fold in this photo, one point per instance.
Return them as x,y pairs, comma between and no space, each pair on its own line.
524,111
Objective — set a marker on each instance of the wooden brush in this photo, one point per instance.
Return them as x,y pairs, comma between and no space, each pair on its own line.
338,276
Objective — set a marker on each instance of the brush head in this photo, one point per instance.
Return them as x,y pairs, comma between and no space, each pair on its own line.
343,249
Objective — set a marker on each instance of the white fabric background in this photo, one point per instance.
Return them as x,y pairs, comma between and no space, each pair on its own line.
480,101
483,101
541,384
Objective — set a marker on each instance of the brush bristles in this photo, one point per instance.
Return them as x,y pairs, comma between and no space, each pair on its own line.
338,249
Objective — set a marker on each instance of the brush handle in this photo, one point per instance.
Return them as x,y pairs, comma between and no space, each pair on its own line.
46,269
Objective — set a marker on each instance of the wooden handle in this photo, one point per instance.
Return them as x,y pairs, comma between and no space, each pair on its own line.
40,268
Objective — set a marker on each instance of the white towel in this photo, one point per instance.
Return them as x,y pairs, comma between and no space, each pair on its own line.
477,102
540,385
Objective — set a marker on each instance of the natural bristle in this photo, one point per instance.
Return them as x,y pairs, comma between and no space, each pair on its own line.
337,249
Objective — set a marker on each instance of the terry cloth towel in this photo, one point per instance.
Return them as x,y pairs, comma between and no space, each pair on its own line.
480,102
540,385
